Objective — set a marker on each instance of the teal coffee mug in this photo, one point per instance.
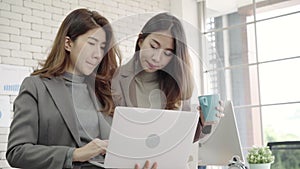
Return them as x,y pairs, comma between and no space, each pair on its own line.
208,104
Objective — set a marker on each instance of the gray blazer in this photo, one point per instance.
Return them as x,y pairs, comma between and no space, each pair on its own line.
44,127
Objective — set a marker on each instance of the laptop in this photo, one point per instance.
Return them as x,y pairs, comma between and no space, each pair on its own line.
224,143
140,134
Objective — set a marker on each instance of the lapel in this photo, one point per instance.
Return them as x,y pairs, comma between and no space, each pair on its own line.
58,91
127,83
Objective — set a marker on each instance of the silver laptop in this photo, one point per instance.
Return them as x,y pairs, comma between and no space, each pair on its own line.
224,143
140,134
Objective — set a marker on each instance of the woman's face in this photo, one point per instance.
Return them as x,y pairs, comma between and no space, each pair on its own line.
86,52
156,51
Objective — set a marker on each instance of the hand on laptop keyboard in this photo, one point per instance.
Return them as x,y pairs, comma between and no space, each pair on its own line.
90,150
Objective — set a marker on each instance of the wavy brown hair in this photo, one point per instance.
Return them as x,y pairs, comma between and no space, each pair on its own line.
77,23
175,79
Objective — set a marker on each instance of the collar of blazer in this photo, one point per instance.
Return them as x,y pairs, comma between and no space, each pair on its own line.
128,69
57,89
127,73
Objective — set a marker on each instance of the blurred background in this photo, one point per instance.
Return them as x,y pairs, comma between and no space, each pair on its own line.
246,50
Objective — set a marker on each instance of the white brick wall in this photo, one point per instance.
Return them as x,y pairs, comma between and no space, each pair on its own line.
28,27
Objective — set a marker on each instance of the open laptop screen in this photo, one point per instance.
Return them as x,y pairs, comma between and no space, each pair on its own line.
223,143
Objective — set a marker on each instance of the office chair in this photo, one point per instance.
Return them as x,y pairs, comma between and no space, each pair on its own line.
287,154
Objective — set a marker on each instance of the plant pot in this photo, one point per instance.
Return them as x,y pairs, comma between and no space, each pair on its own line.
260,166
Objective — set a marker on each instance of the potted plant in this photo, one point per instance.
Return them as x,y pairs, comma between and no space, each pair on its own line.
260,158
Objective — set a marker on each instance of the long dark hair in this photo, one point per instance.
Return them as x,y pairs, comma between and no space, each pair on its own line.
79,22
176,78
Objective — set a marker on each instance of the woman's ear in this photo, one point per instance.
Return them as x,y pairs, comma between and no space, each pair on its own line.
140,42
68,44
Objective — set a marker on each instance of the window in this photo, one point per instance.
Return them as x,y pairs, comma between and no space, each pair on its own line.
252,57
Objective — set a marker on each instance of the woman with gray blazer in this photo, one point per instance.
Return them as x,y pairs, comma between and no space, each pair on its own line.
159,75
63,112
